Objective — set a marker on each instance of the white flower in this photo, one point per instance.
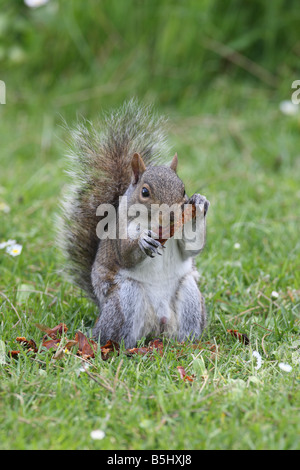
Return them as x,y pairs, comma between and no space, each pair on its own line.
14,250
97,434
35,3
2,353
285,367
258,357
274,295
4,207
288,108
8,243
237,246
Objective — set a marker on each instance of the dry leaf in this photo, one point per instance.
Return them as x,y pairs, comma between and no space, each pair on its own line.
141,351
70,344
52,332
109,347
28,344
13,354
155,344
240,336
168,231
183,374
86,347
51,343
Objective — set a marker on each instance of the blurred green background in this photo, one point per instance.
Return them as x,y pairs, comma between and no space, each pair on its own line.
218,69
172,52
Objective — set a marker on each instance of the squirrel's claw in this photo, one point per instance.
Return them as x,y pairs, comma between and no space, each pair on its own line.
148,244
197,199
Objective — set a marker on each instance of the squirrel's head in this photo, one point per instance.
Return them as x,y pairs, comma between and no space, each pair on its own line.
156,184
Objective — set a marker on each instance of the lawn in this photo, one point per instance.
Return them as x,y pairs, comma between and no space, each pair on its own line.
245,159
237,148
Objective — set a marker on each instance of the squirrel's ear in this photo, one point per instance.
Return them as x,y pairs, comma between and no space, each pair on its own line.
138,167
174,163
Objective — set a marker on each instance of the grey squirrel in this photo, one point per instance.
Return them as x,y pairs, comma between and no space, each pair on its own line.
141,286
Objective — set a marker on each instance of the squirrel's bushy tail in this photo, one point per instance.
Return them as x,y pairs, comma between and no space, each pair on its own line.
101,172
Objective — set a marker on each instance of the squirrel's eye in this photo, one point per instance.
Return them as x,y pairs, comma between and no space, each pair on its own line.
145,192
183,192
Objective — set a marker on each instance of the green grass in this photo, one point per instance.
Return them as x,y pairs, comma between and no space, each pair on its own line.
242,153
219,70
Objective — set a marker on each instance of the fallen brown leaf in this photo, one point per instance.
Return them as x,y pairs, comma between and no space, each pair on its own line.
155,344
183,374
109,347
51,343
240,336
86,347
158,344
14,354
28,344
141,351
53,333
70,344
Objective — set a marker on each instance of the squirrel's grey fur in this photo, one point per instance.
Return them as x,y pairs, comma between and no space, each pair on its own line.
136,295
100,170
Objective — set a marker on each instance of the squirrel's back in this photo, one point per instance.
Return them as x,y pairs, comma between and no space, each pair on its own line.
100,169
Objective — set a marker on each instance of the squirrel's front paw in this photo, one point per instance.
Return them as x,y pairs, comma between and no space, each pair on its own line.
197,199
148,244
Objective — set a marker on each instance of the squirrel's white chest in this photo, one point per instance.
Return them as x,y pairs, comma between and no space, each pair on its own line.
162,270
159,278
